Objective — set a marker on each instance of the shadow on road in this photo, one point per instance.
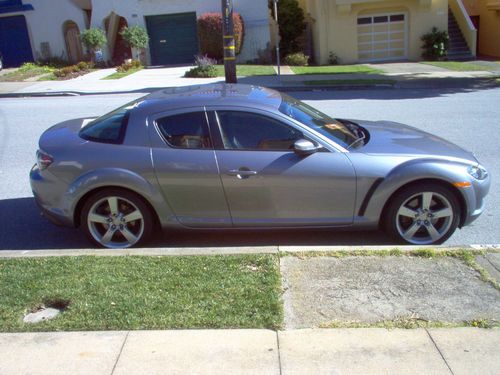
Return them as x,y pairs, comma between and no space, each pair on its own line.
23,228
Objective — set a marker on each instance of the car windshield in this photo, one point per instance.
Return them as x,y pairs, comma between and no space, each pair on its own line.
314,119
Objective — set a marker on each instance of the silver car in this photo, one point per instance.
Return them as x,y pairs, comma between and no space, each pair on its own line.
239,156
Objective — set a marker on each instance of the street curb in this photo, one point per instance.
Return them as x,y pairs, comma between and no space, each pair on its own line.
235,250
425,83
151,90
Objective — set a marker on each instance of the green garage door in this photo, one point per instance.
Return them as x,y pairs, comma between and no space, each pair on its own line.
173,38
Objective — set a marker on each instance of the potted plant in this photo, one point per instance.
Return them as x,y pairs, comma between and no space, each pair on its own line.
137,38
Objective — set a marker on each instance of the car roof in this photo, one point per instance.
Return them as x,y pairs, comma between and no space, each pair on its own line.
212,94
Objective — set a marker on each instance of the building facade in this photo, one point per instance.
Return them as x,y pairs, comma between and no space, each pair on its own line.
485,14
39,29
372,30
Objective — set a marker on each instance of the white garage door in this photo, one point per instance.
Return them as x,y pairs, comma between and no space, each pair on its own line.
382,37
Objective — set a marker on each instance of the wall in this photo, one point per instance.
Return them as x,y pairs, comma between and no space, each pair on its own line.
45,24
254,13
489,27
335,28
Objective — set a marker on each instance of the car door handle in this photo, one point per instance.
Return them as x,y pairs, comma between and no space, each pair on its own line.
241,173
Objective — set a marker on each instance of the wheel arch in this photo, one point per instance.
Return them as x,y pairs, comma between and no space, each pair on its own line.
81,202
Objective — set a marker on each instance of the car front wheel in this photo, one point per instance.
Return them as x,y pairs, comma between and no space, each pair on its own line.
116,219
423,214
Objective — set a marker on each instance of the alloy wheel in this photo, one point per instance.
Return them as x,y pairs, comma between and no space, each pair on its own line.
115,222
424,218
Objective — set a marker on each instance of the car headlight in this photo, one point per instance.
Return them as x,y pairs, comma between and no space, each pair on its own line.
478,172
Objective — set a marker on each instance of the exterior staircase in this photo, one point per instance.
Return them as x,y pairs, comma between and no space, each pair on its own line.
458,49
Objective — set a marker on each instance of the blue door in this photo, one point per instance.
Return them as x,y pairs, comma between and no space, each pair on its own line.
173,38
14,41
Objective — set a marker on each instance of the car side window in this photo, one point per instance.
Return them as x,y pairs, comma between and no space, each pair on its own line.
251,131
186,130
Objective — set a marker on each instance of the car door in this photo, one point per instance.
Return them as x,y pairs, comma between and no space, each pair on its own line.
267,184
185,166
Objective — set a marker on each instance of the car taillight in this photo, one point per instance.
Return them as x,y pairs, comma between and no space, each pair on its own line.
43,160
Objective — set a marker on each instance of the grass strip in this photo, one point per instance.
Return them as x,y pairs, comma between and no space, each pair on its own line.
458,66
248,70
28,70
118,75
335,69
341,82
139,292
411,323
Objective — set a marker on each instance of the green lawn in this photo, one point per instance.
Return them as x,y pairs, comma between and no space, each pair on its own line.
334,69
118,75
457,66
27,70
248,70
139,292
340,82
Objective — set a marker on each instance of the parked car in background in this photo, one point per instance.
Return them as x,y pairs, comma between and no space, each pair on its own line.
237,156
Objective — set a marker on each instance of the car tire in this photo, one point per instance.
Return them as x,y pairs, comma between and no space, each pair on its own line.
116,219
424,214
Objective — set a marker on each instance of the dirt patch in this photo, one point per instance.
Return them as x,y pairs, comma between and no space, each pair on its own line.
372,289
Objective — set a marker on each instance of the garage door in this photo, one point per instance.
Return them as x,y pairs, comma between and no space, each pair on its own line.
382,37
173,38
14,41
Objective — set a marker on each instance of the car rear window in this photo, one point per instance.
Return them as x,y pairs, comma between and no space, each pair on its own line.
109,128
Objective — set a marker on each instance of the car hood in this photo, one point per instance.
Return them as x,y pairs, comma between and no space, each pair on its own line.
394,138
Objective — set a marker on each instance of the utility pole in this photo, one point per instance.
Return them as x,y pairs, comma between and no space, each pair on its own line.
228,41
275,3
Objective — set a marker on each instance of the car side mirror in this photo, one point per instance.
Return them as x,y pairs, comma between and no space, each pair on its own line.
305,147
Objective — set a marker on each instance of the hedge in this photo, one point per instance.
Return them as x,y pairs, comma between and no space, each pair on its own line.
210,34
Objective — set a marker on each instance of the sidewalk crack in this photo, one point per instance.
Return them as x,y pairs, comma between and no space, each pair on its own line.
439,351
120,353
490,262
279,351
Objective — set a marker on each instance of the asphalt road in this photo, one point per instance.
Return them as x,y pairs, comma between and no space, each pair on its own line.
469,118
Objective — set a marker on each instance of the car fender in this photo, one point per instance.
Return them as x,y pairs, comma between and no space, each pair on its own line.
413,171
118,178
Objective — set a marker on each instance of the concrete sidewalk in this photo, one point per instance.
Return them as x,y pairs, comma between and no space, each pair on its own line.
310,351
406,75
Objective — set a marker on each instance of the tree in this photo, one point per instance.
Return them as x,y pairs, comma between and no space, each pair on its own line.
136,37
94,39
291,24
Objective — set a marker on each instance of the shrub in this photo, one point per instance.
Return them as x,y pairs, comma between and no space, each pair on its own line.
54,62
333,59
291,24
435,44
210,34
83,65
205,68
135,36
126,66
93,39
296,59
78,69
27,67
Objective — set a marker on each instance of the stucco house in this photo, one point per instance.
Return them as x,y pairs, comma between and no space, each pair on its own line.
381,30
37,29
485,15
